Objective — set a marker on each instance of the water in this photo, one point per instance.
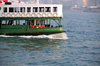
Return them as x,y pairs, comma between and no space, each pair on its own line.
79,47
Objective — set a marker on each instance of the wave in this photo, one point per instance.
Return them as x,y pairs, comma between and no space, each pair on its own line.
52,36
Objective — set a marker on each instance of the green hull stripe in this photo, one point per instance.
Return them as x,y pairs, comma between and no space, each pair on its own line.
27,18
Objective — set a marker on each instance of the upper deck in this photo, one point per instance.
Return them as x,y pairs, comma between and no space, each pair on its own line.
30,10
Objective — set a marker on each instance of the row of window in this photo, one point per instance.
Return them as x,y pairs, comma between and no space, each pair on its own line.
23,22
29,9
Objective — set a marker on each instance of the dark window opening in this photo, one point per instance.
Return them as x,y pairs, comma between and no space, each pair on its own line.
35,9
47,9
41,9
54,9
22,9
5,9
0,8
11,9
28,9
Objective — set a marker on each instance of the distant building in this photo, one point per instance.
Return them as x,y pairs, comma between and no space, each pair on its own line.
85,3
93,2
79,3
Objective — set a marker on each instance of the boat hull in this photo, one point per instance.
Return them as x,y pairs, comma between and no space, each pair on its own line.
32,31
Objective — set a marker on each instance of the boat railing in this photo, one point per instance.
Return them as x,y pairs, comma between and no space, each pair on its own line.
38,14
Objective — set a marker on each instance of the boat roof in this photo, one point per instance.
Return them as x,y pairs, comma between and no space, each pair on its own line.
30,4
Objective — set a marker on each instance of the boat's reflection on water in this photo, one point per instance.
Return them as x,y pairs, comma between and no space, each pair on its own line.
30,43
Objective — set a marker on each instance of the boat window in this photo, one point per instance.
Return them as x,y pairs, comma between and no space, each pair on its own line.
32,22
54,9
4,22
10,22
28,9
40,22
11,9
5,9
21,22
41,9
17,9
26,22
35,9
37,22
22,9
47,9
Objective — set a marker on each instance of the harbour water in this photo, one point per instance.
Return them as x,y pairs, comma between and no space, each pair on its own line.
79,46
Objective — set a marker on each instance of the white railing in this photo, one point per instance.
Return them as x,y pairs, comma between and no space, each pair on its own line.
45,14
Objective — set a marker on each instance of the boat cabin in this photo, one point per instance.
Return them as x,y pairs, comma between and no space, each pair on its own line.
9,9
14,15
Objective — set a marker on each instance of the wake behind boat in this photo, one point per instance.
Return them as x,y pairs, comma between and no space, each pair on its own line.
19,18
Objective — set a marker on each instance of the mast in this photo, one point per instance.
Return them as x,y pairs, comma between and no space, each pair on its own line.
37,2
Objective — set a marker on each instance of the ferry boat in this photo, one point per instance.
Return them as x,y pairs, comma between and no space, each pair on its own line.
19,18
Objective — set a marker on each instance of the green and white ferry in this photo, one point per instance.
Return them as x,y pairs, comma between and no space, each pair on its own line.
19,18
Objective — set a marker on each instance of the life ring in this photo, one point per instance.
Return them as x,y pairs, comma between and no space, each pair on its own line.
28,15
38,15
33,14
55,14
13,15
49,14
44,15
18,14
8,15
3,15
22,14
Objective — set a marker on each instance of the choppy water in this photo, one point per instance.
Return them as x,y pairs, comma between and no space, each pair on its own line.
81,47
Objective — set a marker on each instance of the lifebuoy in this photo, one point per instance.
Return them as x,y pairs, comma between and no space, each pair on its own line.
18,14
44,15
13,15
33,14
49,14
3,14
38,15
8,15
55,14
29,15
